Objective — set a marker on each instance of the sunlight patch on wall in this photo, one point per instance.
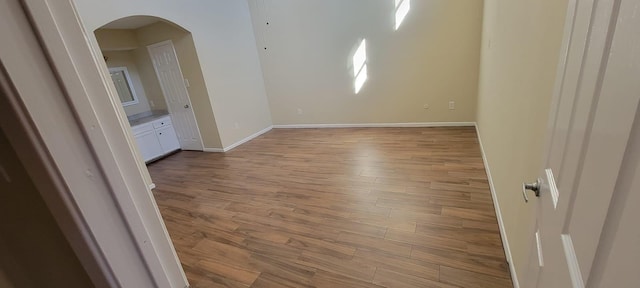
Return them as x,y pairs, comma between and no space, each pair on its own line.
402,9
360,66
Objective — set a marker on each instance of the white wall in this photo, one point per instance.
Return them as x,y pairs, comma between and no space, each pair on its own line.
224,40
431,59
520,50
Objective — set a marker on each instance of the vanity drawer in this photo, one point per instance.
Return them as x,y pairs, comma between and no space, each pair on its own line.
138,129
162,122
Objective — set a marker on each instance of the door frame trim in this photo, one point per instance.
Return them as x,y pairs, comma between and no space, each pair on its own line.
95,108
32,152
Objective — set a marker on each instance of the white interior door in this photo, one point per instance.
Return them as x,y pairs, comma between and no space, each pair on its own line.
167,67
592,119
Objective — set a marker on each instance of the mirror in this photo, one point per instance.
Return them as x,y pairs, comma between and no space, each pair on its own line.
122,81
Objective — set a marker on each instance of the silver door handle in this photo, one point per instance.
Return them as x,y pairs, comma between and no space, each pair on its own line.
186,106
535,187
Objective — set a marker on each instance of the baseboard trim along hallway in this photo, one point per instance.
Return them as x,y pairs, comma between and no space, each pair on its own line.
353,125
378,125
245,140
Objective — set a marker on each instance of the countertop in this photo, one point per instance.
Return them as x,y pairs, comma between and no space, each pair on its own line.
146,117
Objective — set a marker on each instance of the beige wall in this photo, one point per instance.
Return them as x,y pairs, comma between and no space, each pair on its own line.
191,70
151,84
127,59
34,252
116,39
431,59
520,50
225,44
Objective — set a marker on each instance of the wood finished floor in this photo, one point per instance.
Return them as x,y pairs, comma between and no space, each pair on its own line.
362,207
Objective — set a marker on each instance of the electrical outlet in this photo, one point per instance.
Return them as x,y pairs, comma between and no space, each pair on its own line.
452,105
236,125
425,106
152,103
299,111
186,83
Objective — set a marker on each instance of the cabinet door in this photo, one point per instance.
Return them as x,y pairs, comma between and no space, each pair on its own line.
168,139
149,146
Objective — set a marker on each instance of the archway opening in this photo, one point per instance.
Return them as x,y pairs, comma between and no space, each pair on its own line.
157,75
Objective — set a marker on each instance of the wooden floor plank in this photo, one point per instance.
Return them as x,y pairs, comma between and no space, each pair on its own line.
330,280
388,278
465,278
352,207
400,264
476,263
231,272
353,268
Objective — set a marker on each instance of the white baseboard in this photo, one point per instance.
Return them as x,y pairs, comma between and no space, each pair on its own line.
152,186
356,125
215,150
496,205
378,125
248,138
234,145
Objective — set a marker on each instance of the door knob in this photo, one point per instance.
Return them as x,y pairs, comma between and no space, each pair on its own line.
535,187
186,106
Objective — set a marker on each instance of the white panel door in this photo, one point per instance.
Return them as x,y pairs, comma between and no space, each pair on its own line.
167,67
593,111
